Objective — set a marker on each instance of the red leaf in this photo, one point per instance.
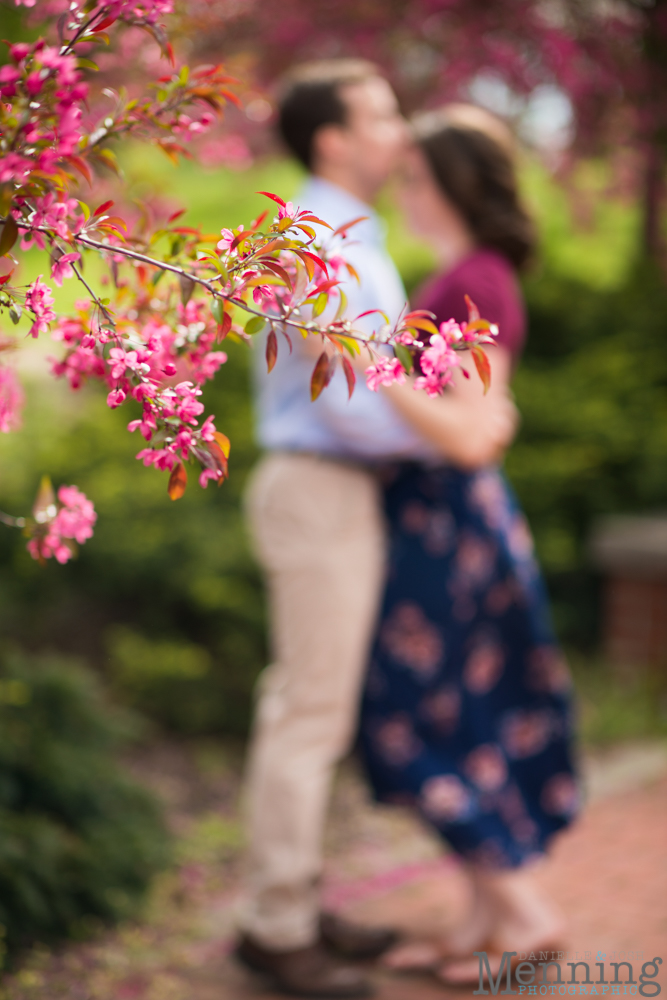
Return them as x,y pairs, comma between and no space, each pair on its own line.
320,377
325,286
271,350
5,278
178,480
103,207
318,260
225,326
350,377
256,223
274,197
278,270
348,225
369,312
170,53
418,312
482,365
176,215
81,166
104,24
309,217
219,458
473,311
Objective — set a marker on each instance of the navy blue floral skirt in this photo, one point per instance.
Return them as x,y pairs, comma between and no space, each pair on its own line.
466,714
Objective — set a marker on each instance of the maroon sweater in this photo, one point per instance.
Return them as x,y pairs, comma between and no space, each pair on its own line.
490,281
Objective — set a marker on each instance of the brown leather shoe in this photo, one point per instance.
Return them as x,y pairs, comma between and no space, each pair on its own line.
355,941
303,972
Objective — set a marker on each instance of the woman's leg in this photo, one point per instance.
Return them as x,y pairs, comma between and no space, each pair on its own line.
507,911
518,915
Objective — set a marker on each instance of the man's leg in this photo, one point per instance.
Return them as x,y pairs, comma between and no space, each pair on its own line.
318,531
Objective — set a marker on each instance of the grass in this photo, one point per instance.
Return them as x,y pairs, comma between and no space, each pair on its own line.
614,709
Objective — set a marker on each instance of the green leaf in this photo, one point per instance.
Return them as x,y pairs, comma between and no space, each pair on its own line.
342,305
404,356
217,309
254,325
9,236
87,64
320,304
184,75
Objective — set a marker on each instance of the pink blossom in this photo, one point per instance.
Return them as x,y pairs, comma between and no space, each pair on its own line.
39,300
115,398
286,211
438,361
146,424
19,51
160,458
122,361
77,516
74,520
227,238
207,474
62,268
9,76
14,167
208,429
11,400
385,371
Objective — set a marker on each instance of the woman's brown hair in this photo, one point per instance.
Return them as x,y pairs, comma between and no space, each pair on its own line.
471,154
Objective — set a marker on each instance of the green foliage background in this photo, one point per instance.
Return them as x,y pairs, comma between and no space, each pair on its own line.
79,840
166,599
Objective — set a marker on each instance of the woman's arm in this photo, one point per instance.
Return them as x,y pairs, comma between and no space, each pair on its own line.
467,428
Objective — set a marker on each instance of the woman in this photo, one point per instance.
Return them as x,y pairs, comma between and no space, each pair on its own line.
466,713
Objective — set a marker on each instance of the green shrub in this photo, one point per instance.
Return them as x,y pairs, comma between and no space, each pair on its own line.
79,840
160,584
592,391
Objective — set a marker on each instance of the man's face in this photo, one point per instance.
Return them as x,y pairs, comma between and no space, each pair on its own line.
375,133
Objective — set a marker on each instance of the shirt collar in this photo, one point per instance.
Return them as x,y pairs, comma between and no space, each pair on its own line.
336,206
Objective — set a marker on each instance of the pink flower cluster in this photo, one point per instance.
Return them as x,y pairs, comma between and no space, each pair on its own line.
39,301
148,11
385,371
438,361
62,217
141,368
73,521
48,126
11,400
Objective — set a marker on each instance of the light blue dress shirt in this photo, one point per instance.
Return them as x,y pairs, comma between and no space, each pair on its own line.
365,426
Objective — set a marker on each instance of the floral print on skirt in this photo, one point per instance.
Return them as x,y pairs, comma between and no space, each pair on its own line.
466,713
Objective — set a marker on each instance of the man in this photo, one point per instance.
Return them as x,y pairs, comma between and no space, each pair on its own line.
315,515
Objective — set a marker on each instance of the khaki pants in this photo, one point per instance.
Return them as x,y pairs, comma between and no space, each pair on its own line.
318,532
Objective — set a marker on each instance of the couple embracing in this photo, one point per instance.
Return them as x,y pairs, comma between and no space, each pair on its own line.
407,611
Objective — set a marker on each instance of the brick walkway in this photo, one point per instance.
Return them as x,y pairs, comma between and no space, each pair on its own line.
609,874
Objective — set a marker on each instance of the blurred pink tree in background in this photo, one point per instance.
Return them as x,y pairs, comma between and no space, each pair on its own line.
608,59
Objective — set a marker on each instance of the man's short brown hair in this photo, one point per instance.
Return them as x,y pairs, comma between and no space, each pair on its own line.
310,98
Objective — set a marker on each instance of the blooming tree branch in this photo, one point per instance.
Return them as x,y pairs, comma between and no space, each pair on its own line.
176,292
